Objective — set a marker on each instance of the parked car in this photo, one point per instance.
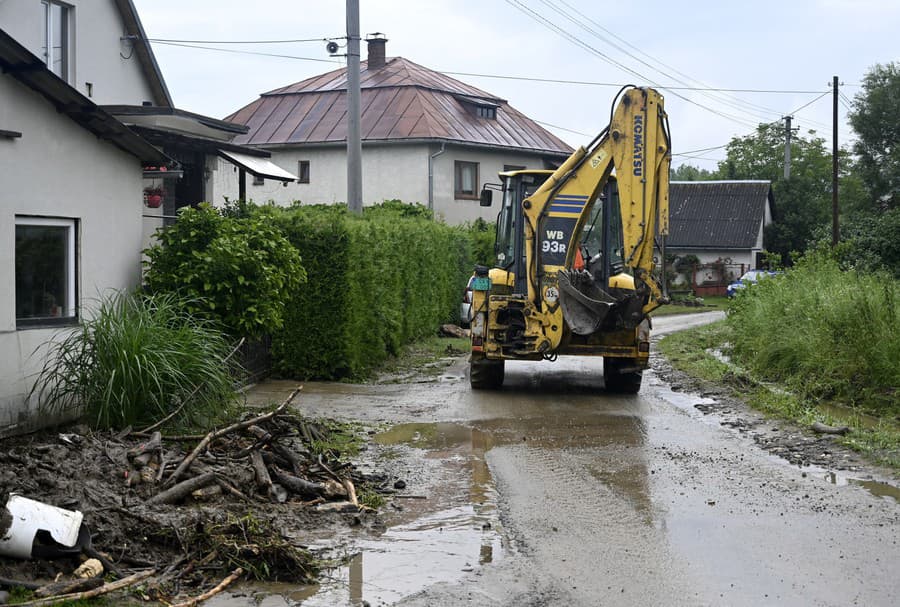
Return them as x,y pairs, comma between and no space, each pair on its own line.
749,278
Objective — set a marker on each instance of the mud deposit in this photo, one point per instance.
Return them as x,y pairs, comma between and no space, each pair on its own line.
195,541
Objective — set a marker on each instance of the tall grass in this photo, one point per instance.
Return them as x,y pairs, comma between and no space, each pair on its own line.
137,360
824,332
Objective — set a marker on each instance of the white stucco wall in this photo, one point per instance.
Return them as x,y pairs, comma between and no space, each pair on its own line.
97,55
58,169
389,172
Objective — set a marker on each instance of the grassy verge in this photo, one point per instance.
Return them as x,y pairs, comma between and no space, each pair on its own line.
424,356
878,438
710,304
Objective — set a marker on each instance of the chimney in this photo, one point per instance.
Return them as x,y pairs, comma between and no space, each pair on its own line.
376,43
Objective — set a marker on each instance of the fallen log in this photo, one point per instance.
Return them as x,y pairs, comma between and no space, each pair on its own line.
187,461
182,489
68,587
211,593
296,484
825,429
141,455
263,480
131,580
10,583
283,452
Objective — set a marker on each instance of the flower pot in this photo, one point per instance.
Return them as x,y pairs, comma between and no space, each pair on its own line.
154,201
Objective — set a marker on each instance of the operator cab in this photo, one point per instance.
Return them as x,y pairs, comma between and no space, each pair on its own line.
600,246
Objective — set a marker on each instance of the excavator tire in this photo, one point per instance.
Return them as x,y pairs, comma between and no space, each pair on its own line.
619,381
485,374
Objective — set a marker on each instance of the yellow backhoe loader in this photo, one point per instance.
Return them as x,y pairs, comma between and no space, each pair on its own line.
575,253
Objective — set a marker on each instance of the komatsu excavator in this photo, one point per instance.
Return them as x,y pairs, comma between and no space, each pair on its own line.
575,253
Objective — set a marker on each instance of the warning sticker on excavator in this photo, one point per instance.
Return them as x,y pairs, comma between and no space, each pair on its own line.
598,158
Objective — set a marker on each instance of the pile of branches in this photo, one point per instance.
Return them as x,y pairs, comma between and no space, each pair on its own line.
240,482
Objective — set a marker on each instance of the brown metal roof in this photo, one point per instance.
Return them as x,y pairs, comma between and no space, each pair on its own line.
401,100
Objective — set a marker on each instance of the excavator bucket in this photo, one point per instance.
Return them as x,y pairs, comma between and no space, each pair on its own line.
584,304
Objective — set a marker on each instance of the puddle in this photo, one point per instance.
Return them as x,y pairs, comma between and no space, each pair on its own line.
849,414
451,531
876,488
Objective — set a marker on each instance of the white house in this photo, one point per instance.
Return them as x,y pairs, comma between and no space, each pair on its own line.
70,171
722,224
426,138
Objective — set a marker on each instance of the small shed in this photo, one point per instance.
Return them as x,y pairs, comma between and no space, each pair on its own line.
721,224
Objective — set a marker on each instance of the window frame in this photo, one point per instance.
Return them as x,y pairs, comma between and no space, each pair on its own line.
458,193
301,178
257,180
69,316
65,35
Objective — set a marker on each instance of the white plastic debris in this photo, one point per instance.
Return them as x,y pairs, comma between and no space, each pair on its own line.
30,517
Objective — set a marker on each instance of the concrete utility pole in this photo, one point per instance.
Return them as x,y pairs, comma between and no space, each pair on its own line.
787,147
354,142
835,227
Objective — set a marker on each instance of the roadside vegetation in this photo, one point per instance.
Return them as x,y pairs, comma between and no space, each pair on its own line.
137,360
818,344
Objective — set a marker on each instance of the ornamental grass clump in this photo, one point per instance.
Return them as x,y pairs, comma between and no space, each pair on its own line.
138,359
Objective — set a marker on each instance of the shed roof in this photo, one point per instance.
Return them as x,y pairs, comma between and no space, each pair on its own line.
717,214
399,101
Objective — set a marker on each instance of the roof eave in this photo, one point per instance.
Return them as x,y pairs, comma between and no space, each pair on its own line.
415,141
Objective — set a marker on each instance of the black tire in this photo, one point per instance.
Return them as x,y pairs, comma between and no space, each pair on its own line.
485,374
619,381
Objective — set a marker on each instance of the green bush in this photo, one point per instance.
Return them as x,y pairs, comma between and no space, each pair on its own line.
825,332
136,361
237,269
375,283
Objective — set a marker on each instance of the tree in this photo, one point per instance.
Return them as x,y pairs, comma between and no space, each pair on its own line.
803,202
876,119
687,172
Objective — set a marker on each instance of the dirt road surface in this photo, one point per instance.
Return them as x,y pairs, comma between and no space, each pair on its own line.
552,492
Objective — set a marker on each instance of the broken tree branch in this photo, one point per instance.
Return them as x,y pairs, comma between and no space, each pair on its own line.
189,397
219,588
131,580
187,461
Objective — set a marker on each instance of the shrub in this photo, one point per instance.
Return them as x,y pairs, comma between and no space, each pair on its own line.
375,283
238,269
825,332
137,360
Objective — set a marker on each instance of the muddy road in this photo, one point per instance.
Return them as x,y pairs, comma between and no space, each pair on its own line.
552,492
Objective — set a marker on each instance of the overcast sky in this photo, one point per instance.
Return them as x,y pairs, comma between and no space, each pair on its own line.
786,45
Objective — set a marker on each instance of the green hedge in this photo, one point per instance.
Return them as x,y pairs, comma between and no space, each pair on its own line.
374,283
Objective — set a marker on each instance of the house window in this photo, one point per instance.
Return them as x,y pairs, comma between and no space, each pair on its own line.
55,38
466,180
303,171
484,111
45,270
257,180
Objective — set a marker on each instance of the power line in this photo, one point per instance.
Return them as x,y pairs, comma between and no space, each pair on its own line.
727,100
171,40
228,50
621,84
540,19
561,128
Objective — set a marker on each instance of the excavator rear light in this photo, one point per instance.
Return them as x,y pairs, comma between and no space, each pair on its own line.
644,346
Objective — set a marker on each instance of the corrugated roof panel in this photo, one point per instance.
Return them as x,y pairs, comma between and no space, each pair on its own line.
716,214
302,105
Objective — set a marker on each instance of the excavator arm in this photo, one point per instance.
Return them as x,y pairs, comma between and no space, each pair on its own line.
636,144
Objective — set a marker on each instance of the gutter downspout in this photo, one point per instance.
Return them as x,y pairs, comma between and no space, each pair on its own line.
431,176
